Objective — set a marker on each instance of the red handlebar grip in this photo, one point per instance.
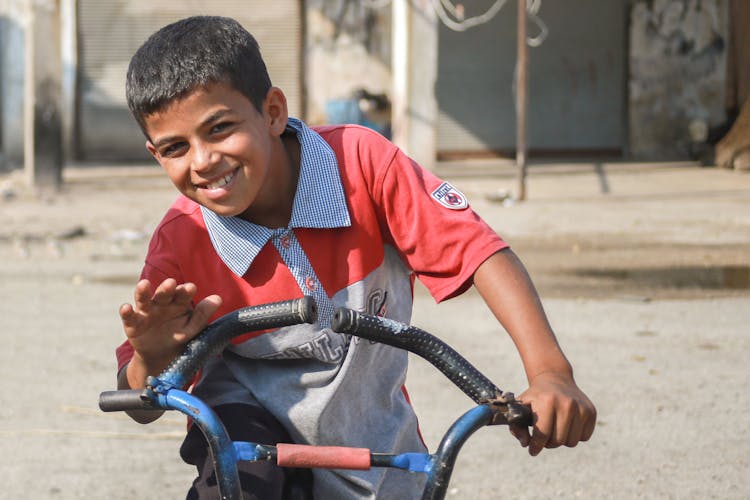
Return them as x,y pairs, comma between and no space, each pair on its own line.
328,457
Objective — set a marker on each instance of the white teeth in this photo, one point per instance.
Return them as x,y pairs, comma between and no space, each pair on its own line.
221,182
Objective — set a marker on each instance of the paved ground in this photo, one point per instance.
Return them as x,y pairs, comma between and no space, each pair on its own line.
643,270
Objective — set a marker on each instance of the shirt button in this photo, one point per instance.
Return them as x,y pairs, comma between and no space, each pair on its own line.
286,241
310,283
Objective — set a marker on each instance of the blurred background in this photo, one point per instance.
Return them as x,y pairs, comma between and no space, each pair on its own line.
636,80
632,117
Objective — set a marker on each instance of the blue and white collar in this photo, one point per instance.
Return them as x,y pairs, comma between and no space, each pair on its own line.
318,203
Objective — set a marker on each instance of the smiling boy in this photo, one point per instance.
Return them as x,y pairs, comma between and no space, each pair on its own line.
272,210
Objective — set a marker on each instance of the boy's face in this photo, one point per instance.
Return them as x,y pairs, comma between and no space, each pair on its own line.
219,151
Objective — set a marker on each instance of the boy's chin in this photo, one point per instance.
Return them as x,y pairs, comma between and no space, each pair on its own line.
223,211
218,208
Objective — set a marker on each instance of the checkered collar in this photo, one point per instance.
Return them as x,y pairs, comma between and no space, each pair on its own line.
318,203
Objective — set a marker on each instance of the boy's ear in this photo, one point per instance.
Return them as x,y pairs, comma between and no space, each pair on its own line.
276,111
152,150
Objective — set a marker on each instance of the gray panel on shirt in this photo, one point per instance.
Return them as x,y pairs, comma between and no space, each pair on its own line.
356,400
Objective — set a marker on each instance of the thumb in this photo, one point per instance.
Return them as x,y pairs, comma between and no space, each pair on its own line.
200,316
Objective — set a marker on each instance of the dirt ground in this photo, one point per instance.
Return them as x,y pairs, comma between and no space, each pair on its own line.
644,271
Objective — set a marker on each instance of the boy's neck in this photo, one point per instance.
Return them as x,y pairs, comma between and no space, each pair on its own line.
289,167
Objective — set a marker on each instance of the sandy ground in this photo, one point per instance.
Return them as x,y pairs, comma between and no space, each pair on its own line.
643,270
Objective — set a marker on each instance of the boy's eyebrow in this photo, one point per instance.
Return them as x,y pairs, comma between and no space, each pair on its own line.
213,117
163,141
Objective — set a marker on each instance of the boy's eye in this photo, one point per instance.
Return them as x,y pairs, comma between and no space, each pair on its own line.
220,127
173,149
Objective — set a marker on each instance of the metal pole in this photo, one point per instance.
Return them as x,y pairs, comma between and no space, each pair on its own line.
521,100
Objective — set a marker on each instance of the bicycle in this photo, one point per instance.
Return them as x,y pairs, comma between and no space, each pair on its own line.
165,392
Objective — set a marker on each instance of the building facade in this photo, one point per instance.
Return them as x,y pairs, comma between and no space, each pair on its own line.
622,79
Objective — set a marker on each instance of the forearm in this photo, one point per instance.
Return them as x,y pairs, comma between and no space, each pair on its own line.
506,287
563,414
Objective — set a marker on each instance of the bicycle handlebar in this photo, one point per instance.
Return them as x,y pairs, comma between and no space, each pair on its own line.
164,392
262,317
475,385
124,400
218,334
454,366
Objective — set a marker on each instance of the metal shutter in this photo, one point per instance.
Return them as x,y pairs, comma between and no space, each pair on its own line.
577,80
110,32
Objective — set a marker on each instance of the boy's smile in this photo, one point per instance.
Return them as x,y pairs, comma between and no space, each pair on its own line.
219,151
220,188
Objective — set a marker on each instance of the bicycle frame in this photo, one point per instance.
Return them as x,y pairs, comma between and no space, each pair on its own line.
165,393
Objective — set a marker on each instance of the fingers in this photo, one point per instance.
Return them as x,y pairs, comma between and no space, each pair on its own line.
521,433
142,295
128,316
198,318
567,418
559,421
574,433
169,305
165,292
184,293
588,427
205,309
541,433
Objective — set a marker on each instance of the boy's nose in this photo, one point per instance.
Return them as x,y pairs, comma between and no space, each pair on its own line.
204,157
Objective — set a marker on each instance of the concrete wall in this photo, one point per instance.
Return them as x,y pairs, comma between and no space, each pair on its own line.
12,15
415,113
347,47
351,47
677,74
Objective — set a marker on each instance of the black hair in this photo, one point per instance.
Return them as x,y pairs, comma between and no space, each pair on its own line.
191,53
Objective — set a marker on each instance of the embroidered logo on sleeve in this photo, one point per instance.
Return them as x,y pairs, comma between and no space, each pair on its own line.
450,197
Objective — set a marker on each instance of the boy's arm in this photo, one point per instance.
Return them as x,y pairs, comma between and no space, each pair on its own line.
158,325
564,414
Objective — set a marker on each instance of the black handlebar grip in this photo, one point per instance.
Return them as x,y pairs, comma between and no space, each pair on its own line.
462,373
132,399
218,334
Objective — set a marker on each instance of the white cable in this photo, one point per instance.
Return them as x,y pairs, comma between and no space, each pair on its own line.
445,9
533,6
453,10
441,7
543,30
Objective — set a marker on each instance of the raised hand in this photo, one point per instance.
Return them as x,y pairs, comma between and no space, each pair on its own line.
161,322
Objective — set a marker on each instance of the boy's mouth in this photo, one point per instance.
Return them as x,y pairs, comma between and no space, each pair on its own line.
220,182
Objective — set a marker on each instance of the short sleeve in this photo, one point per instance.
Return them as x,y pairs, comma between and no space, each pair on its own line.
433,226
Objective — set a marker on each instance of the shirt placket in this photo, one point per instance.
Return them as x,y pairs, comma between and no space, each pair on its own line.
299,265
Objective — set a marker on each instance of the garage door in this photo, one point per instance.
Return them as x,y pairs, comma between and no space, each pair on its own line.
577,81
110,32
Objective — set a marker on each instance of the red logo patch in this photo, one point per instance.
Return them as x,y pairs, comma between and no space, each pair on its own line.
450,197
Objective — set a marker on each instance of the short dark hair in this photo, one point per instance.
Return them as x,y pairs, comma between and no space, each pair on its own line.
191,53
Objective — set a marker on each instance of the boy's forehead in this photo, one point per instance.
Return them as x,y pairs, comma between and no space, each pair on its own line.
200,102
